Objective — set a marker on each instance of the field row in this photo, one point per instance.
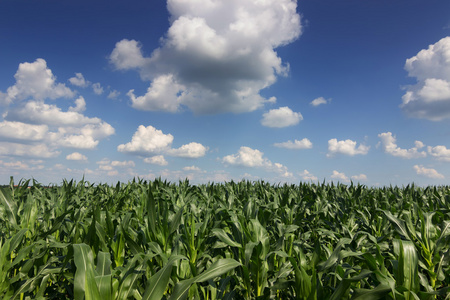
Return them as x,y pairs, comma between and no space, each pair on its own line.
245,240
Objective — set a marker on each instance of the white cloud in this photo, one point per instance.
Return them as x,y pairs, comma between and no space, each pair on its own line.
38,125
97,131
389,145
435,90
220,176
113,173
113,94
35,80
147,140
59,167
18,165
105,165
307,176
76,156
432,62
97,88
104,161
281,117
80,105
360,177
319,101
33,150
156,160
110,167
127,55
128,163
340,176
295,145
21,131
79,80
76,141
347,147
163,94
439,152
191,150
247,157
35,161
86,137
428,172
38,112
192,168
430,97
222,53
282,170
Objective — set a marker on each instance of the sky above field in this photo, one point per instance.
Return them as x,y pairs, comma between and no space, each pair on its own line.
215,90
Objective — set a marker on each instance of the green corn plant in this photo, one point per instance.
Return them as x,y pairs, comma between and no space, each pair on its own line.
233,240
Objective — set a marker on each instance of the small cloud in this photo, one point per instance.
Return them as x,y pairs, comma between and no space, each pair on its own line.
253,158
106,168
308,176
388,143
282,170
76,156
127,55
247,157
319,101
295,145
360,177
18,165
128,163
281,117
191,150
59,167
439,152
79,80
428,172
156,160
346,147
97,88
113,94
192,168
147,141
113,173
340,176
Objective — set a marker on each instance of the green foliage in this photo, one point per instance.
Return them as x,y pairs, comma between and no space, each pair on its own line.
159,240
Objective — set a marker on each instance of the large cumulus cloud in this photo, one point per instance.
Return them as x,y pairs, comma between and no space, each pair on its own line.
216,56
430,97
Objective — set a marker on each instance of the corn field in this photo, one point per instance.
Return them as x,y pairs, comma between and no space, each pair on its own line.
235,240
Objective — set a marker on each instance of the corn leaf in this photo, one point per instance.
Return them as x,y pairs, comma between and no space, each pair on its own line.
85,286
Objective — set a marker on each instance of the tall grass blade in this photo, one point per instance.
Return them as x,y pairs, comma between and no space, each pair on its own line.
85,286
10,205
217,269
157,284
103,276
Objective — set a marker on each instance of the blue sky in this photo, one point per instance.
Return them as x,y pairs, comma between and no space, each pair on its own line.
214,90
